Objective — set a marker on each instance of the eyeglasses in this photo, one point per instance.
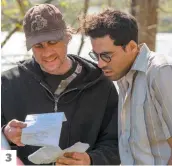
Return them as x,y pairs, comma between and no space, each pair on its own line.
105,56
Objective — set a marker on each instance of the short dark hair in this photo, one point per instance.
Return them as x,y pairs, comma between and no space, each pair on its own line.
120,26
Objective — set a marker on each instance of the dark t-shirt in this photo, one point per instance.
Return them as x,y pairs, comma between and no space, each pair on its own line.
54,80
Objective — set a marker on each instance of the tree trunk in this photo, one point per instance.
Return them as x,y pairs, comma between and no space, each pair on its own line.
145,12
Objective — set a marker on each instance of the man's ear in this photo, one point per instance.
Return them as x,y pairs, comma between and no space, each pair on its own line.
132,46
68,37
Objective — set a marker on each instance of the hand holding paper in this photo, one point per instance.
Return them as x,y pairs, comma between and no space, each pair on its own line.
44,130
49,154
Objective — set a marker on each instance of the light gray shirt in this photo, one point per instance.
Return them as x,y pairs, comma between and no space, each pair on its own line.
145,110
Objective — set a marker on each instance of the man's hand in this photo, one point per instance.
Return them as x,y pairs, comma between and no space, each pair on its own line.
74,158
13,131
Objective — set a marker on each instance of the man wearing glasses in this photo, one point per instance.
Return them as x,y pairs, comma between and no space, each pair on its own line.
145,87
53,81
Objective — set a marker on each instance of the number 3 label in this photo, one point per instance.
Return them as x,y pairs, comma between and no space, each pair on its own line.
8,157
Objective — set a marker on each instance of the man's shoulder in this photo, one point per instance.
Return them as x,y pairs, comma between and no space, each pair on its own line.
14,72
157,61
10,79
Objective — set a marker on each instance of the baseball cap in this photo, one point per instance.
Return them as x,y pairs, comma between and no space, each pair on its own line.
43,22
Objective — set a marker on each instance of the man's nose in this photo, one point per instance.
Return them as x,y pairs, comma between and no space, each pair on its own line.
48,52
101,63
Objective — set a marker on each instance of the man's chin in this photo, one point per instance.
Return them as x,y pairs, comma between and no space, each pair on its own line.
114,78
111,78
50,70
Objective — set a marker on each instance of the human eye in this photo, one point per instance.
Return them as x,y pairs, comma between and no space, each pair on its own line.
38,45
52,42
107,54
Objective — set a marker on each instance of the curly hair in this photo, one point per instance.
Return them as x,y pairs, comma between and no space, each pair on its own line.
120,26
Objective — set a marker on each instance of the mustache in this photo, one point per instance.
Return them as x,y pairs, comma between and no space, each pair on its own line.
51,57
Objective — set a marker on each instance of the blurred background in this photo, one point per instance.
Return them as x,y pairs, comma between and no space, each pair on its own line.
154,18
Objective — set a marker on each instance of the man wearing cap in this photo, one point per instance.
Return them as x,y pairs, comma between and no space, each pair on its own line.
53,81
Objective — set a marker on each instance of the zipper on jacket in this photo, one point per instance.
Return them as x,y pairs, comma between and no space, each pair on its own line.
55,98
47,89
55,104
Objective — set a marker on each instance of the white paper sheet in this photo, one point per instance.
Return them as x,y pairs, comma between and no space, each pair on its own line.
43,129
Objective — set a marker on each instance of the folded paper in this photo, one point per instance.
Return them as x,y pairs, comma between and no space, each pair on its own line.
47,155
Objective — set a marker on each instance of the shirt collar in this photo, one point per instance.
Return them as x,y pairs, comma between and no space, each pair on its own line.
140,64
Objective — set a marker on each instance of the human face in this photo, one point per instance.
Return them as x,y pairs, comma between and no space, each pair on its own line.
121,58
51,56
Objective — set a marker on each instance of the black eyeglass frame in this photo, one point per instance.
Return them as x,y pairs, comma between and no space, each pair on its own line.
104,56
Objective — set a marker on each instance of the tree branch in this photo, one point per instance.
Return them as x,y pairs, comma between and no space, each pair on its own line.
9,35
86,5
21,6
10,18
18,22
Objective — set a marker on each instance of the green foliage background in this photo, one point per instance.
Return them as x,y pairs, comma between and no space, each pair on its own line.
13,11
